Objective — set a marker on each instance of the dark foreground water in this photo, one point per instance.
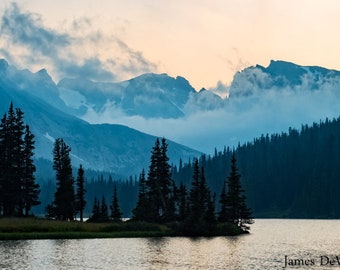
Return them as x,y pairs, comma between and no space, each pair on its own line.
308,244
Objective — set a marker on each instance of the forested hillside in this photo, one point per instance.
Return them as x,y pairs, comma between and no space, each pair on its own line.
292,174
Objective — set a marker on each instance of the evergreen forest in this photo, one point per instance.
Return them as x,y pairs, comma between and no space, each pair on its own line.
293,174
18,188
160,200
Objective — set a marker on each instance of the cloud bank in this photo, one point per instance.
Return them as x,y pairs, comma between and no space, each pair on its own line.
243,117
25,41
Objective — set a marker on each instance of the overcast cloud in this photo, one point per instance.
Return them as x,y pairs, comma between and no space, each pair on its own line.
242,118
25,41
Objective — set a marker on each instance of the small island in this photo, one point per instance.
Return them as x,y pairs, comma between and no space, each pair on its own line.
35,228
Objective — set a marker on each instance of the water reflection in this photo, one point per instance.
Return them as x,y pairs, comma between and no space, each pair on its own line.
12,253
193,253
264,248
156,253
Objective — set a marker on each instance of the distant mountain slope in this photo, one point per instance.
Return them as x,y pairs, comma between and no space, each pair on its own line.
275,97
261,100
149,95
115,148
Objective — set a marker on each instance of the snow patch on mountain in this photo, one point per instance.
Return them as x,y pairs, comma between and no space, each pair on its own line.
49,137
72,98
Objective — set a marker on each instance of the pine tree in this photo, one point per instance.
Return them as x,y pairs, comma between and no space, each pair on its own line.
96,211
18,190
18,161
156,199
223,213
201,210
104,210
64,197
237,211
4,164
195,210
12,163
141,211
30,188
246,216
50,211
1,167
204,193
160,184
156,205
182,202
166,183
116,214
80,193
194,223
207,202
210,217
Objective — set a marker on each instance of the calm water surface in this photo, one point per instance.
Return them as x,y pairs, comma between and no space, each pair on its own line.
265,248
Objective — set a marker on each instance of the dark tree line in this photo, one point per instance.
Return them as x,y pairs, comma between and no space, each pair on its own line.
116,213
126,193
161,201
80,193
19,191
64,197
156,194
96,187
200,211
100,210
233,201
68,202
293,174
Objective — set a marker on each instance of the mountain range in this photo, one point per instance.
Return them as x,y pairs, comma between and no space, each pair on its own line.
282,75
101,147
107,124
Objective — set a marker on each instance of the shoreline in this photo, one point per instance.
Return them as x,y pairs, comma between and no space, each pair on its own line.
35,228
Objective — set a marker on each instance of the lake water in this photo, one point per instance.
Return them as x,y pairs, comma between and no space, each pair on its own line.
308,244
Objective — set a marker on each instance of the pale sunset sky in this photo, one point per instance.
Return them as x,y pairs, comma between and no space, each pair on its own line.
204,41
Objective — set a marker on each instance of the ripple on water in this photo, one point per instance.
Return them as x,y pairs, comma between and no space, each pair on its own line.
265,248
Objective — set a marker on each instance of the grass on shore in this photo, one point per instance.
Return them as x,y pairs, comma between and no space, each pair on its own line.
34,228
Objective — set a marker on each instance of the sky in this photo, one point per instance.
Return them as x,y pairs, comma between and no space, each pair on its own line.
205,41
